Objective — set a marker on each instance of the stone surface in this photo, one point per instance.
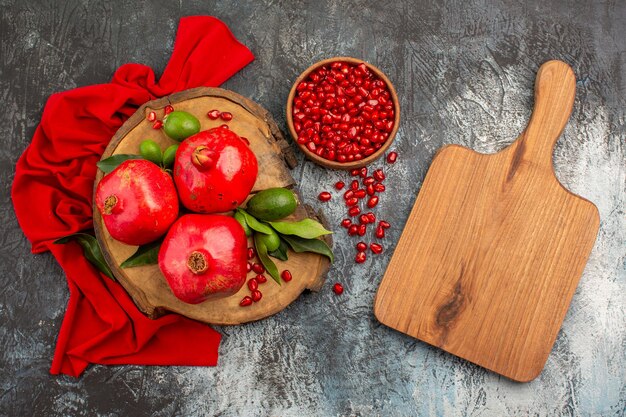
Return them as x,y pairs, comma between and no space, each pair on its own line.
464,71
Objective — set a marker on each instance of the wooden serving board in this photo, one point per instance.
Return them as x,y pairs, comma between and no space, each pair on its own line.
146,284
494,246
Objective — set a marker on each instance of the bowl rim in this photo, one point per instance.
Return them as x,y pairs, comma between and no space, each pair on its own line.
334,164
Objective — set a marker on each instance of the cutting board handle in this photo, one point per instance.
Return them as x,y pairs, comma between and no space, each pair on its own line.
555,88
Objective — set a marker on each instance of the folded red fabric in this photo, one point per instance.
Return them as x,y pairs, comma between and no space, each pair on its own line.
52,196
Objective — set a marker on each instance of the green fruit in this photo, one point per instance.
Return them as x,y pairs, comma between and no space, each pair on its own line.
242,221
271,241
272,204
151,151
169,155
180,125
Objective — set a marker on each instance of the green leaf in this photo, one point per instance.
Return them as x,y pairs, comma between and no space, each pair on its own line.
281,252
299,245
239,216
91,249
306,228
145,255
261,252
255,224
109,164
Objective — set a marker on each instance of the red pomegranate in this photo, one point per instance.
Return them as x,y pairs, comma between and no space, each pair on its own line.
214,171
204,257
138,202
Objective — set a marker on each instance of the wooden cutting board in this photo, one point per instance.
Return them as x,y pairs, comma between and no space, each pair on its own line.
145,284
494,246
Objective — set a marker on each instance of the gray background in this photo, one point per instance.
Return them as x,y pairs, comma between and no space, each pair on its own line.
464,72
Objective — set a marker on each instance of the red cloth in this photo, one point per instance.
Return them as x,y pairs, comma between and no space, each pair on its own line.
52,195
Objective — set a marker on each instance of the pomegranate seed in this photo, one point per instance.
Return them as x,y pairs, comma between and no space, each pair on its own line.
226,116
369,181
224,126
348,195
353,230
261,279
384,224
352,201
251,253
214,114
360,257
253,284
346,223
362,230
363,172
376,248
371,217
370,190
168,109
378,175
286,275
354,211
157,125
256,295
258,268
364,219
361,247
354,185
372,202
360,193
151,117
380,232
379,188
391,158
249,267
338,288
324,196
339,185
246,301
354,172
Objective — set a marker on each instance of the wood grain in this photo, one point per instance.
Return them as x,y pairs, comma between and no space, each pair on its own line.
494,246
146,284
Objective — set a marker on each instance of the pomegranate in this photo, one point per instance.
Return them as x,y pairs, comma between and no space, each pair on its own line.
204,257
214,171
137,201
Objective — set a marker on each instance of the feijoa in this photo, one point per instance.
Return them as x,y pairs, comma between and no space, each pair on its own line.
168,156
272,204
271,241
151,151
179,125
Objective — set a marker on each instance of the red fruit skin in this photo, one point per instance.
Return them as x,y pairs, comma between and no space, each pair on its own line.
146,206
217,178
222,242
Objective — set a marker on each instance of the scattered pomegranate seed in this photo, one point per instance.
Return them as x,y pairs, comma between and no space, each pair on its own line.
253,284
379,175
249,267
346,223
352,201
361,247
258,268
353,230
384,224
324,196
362,230
379,188
391,158
354,185
371,217
151,117
369,181
380,232
245,140
360,257
224,126
256,295
354,211
214,114
376,248
363,172
226,116
355,172
157,125
246,301
370,189
360,193
372,202
348,194
168,109
286,275
364,219
261,279
338,288
339,185
251,253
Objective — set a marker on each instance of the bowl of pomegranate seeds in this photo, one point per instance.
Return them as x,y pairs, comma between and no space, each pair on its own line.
343,113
